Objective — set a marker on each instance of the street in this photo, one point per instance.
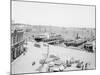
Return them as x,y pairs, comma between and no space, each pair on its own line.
23,64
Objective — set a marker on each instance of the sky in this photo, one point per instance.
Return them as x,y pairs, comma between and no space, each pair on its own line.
53,14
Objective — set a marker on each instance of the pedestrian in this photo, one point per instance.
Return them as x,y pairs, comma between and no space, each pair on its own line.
86,66
33,63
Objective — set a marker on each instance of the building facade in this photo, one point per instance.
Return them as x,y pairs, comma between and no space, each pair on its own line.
17,42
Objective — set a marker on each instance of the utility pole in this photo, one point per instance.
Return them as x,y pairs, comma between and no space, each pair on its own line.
42,65
47,50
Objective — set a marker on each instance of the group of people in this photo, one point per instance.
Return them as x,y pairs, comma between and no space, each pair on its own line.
58,65
61,66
